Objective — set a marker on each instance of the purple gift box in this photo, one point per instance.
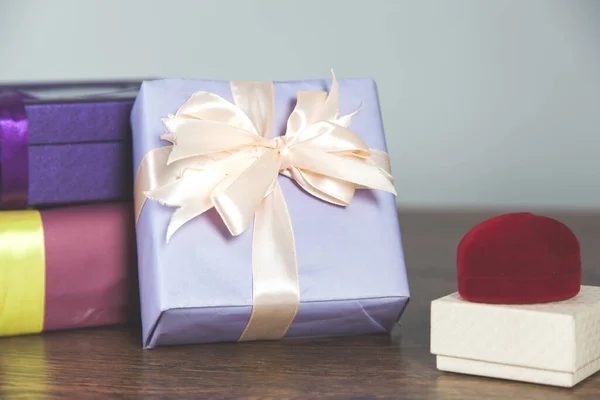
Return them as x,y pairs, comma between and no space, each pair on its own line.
65,143
198,288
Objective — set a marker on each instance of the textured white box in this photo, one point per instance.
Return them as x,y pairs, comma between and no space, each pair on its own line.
554,343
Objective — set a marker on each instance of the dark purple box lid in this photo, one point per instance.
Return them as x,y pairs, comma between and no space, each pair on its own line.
78,112
79,140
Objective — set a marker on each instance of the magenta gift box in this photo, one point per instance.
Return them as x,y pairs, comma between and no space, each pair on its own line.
75,136
88,269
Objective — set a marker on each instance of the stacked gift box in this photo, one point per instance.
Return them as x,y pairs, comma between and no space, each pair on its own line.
67,257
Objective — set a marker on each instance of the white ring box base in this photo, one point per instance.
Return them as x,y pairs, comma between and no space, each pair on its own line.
553,343
515,373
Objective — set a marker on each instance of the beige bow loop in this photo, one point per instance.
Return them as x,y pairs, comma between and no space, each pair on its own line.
222,157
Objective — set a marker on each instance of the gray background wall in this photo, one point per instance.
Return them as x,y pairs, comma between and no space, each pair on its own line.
485,103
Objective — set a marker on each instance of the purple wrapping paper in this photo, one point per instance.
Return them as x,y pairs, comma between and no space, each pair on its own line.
198,287
79,142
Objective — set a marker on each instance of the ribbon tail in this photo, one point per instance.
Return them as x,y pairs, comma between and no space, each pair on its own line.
382,160
154,172
346,120
347,169
146,177
331,190
329,110
308,103
276,292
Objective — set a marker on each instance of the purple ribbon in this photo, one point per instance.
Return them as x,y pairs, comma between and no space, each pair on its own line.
14,152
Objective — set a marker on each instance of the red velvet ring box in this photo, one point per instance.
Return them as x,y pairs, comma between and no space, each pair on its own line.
518,258
520,312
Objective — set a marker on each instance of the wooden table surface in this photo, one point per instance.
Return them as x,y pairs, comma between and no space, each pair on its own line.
109,362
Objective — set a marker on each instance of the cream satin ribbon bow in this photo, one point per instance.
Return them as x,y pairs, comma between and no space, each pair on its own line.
222,157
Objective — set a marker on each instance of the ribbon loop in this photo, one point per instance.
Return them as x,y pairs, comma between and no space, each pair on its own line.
197,137
331,137
221,157
256,100
211,107
308,103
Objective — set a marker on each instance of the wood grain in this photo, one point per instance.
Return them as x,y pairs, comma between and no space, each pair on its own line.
109,362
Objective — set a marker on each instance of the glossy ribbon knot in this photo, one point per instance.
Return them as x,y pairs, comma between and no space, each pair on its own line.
222,157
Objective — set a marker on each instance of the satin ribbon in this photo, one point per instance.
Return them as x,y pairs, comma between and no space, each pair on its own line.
22,272
14,153
221,156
